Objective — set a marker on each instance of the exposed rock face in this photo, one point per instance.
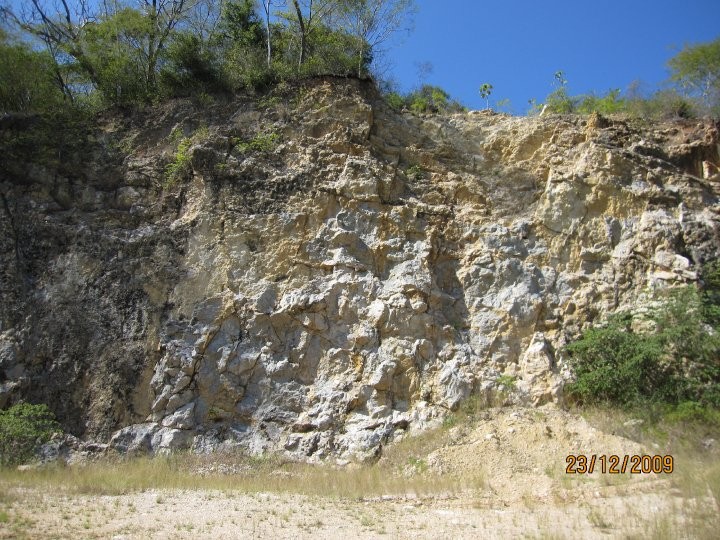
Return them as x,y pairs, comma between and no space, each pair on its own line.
361,277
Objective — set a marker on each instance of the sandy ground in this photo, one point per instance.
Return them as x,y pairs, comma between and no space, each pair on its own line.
162,514
524,492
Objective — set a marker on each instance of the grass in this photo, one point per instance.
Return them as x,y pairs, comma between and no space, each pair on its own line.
406,468
255,475
696,474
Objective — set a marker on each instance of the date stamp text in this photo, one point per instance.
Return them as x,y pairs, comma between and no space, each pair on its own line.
614,464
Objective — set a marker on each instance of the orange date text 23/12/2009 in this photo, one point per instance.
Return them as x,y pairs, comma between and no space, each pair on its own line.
614,464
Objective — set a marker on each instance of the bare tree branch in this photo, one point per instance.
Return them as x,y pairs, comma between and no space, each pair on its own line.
374,21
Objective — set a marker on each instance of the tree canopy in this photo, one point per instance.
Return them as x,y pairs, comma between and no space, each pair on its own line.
697,69
135,51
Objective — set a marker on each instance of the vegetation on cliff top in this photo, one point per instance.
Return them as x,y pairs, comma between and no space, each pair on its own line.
86,56
94,55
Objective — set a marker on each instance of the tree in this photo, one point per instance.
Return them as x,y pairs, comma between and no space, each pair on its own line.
27,80
203,19
303,31
190,67
372,22
118,64
58,27
239,24
697,70
309,15
266,5
424,70
163,16
64,25
485,91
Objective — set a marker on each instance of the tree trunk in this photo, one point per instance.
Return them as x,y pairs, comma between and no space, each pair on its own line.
267,30
360,60
152,48
303,40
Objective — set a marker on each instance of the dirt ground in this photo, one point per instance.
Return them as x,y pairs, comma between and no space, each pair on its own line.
523,491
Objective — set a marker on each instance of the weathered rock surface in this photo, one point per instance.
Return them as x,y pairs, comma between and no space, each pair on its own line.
357,280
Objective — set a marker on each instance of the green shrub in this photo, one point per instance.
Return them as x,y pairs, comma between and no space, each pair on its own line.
395,100
608,104
664,104
615,364
710,291
693,412
23,428
419,104
180,165
677,361
427,99
246,68
560,102
191,67
262,142
691,347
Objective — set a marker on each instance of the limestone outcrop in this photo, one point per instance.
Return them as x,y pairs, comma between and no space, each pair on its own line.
327,273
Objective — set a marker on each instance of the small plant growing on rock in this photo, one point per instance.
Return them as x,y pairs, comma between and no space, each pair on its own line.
262,142
416,172
269,102
535,107
176,135
23,429
503,104
507,382
204,99
180,164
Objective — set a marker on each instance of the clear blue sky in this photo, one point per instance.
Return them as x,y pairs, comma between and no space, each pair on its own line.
518,45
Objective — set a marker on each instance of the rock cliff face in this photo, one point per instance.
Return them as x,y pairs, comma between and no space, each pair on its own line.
328,273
